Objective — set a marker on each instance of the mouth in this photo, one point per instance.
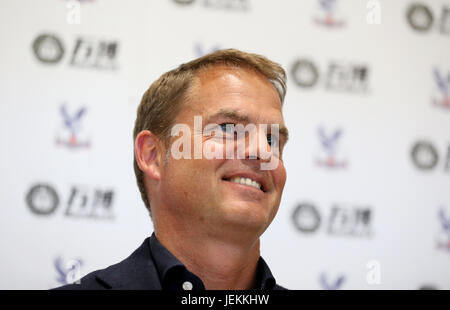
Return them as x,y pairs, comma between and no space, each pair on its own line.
246,181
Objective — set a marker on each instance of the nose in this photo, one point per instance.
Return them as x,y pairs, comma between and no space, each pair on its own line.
257,146
251,143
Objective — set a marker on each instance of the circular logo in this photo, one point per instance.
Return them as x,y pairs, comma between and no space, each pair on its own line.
306,218
42,199
424,155
420,17
184,2
304,73
48,49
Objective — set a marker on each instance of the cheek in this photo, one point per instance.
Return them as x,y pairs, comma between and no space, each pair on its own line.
279,176
181,186
217,148
192,174
175,179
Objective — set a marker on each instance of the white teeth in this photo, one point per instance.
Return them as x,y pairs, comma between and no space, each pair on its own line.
246,181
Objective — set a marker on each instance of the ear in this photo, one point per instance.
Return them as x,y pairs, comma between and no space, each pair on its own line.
149,154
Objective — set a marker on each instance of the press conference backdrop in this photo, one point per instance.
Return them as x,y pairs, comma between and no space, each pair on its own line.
367,199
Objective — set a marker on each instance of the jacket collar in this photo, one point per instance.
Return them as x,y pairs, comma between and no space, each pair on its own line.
137,272
143,270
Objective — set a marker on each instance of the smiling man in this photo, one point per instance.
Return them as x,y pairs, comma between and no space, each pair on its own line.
208,211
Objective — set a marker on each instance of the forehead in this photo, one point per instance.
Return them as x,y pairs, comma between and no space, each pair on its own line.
232,88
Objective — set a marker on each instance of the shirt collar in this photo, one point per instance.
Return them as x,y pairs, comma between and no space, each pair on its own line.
173,274
264,278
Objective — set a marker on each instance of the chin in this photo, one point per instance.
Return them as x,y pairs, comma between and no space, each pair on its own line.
248,215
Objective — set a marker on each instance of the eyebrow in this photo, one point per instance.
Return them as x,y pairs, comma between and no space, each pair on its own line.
241,118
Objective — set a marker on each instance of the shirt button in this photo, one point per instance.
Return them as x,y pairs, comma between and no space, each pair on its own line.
187,286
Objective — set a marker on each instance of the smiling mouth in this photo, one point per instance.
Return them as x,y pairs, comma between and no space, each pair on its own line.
245,181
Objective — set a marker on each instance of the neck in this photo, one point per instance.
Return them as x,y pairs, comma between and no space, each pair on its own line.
219,261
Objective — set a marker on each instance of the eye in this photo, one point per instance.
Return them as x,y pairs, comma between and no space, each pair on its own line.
226,128
269,139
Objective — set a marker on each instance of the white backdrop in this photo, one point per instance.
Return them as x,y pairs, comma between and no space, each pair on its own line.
367,200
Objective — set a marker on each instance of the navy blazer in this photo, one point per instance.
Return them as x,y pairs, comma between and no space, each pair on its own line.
136,272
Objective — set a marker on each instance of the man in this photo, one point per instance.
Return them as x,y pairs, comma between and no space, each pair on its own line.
209,205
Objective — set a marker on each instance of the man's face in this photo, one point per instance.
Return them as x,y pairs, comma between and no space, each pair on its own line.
204,191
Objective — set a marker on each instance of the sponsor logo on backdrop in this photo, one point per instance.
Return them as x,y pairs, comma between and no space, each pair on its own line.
67,271
48,48
341,220
331,284
442,97
200,50
305,73
86,52
231,5
328,15
329,143
421,18
339,76
70,133
425,156
42,199
94,53
82,201
346,77
90,202
443,240
349,221
306,218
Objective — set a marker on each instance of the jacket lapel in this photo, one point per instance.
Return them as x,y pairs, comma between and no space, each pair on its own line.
137,272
